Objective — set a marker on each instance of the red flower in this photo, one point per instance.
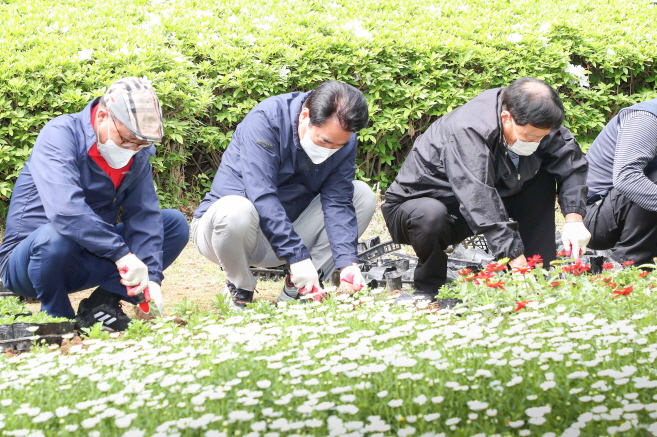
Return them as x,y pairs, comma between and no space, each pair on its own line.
606,279
498,284
625,291
608,266
468,278
486,275
533,260
627,263
576,269
563,253
612,284
644,274
523,270
522,304
555,284
495,267
465,272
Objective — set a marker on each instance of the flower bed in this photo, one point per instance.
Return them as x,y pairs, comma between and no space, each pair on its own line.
557,354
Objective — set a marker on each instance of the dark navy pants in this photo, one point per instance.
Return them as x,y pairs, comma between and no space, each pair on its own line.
49,266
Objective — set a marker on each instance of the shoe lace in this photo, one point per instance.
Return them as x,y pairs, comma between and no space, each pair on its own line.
119,308
232,289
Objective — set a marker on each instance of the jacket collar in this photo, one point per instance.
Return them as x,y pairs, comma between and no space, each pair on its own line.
295,110
498,110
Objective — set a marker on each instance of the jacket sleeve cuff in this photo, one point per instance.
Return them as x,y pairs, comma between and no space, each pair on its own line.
574,209
345,261
299,255
156,277
123,251
516,252
512,250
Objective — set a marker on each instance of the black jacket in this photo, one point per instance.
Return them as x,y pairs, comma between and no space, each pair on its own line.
463,154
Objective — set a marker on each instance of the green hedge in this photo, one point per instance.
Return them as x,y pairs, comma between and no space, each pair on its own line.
211,62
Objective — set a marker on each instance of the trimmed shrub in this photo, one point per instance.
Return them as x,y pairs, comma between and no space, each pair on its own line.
212,62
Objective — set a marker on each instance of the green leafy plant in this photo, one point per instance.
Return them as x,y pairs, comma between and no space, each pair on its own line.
96,332
12,305
185,307
222,305
40,317
137,329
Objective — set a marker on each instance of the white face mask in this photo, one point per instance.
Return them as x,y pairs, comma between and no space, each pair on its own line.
115,155
317,154
523,148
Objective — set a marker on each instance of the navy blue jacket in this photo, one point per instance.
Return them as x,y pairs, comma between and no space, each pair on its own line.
62,185
265,163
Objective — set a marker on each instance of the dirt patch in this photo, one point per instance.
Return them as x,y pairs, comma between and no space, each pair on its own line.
67,344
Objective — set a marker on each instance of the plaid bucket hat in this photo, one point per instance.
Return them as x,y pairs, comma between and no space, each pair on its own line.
133,102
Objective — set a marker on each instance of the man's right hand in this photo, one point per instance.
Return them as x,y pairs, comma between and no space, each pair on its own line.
304,276
134,273
521,261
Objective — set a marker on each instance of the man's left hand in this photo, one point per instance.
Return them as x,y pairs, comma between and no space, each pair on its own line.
352,275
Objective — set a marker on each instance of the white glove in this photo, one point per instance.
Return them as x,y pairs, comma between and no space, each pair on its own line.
304,276
352,275
134,273
155,293
575,237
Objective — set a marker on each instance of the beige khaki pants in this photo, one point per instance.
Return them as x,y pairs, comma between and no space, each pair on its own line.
229,234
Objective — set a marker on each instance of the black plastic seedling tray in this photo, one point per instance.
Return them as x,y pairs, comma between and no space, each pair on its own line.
18,336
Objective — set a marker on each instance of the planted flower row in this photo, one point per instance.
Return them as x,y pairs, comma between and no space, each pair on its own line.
522,358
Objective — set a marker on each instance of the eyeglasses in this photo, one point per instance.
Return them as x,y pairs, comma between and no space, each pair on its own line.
130,143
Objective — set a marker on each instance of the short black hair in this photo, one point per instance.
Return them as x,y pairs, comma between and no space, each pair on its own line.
346,102
532,101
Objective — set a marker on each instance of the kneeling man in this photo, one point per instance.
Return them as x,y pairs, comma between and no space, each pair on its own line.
86,172
492,166
285,193
622,204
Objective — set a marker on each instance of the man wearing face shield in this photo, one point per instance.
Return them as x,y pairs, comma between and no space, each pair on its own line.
87,172
285,194
492,166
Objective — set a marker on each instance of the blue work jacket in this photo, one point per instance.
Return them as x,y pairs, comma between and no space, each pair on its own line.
62,185
265,163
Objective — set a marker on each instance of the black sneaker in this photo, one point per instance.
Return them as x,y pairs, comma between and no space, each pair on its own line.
109,313
239,297
290,292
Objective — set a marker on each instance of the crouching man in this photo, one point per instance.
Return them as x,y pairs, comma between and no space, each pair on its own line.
86,172
622,203
285,193
492,166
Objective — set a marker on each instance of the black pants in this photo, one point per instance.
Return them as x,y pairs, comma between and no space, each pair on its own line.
430,225
617,223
